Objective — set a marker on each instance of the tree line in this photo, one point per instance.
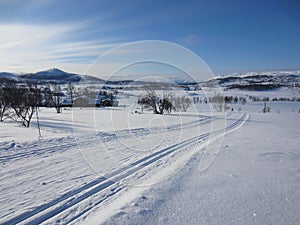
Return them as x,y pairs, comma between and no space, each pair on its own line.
20,101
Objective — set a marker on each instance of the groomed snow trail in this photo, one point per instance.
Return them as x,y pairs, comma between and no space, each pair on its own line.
254,180
67,143
76,202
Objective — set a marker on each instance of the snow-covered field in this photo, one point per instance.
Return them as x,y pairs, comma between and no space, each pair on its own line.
115,166
254,180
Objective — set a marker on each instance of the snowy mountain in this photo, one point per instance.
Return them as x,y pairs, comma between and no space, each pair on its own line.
246,81
51,75
59,76
258,81
7,75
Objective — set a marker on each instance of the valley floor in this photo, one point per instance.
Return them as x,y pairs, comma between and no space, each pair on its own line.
187,168
254,180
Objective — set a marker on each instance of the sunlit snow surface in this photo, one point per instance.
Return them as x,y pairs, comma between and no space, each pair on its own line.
133,168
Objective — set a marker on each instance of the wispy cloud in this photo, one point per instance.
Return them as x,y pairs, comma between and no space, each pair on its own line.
22,35
189,40
24,48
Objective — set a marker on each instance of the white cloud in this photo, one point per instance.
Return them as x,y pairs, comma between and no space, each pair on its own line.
29,48
26,48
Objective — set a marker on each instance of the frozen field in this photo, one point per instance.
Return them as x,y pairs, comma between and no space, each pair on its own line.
115,166
254,180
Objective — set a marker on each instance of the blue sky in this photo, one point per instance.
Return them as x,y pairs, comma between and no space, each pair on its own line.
230,36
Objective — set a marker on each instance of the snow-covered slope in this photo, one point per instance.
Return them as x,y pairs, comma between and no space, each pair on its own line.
254,180
258,81
51,75
76,176
120,166
8,75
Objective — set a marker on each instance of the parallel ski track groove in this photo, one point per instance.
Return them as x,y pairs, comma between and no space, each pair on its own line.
66,146
62,204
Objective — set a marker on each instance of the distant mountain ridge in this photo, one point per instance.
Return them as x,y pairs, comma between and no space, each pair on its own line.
7,75
52,74
258,81
48,76
247,81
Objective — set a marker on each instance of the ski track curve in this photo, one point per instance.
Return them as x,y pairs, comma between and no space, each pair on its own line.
72,198
72,142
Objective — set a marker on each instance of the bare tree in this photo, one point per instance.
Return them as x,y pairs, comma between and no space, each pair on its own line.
24,102
218,101
266,108
52,97
149,101
168,101
5,100
185,103
71,91
159,105
181,103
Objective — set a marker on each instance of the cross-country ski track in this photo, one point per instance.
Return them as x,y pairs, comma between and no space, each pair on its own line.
105,186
